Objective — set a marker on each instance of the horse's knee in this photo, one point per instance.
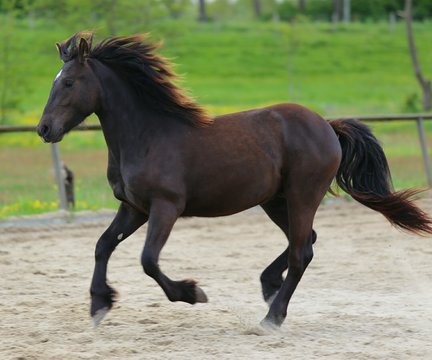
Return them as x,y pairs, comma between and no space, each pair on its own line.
149,265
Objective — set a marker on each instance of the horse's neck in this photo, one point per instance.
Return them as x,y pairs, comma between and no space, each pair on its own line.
120,116
125,119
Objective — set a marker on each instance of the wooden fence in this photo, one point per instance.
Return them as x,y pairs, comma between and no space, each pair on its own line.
418,118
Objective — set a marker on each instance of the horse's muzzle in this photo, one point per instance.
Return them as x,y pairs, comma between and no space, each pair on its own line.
48,134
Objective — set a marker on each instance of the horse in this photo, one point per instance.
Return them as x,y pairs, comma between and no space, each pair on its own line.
169,159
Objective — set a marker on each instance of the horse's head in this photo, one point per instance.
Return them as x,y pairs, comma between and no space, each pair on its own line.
75,92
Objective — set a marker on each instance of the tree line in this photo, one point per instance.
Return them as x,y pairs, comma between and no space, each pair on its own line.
212,10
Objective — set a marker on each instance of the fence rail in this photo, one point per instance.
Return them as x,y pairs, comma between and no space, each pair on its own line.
366,118
418,118
29,128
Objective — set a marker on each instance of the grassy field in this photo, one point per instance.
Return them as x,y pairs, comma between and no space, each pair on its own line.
358,69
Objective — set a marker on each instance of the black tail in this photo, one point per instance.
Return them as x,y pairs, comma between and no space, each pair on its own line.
364,174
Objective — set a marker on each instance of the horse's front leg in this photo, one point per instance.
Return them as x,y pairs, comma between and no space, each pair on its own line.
163,215
126,222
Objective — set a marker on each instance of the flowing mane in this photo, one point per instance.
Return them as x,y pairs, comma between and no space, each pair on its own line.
150,75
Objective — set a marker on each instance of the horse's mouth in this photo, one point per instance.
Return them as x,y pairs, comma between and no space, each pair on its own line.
53,141
52,138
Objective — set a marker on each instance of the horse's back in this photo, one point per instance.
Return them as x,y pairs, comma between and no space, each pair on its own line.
290,130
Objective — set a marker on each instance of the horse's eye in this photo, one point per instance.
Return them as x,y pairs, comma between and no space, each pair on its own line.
68,83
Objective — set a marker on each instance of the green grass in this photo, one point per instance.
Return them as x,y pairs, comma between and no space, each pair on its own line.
358,69
27,181
361,68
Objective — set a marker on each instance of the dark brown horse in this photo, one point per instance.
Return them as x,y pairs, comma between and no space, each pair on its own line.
169,159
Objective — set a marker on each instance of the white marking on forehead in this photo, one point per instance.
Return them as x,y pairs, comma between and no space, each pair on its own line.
120,236
59,74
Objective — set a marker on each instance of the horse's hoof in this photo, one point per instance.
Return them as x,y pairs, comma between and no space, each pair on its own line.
190,292
99,315
269,325
200,295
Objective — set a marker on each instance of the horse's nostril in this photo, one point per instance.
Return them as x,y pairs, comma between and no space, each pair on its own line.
44,130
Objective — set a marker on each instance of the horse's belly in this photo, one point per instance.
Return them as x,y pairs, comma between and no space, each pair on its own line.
217,209
231,197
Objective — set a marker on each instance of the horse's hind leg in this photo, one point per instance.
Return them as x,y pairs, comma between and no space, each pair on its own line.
126,222
163,215
271,278
304,194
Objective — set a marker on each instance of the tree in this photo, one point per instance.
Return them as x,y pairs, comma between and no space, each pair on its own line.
202,14
337,10
424,83
257,8
302,5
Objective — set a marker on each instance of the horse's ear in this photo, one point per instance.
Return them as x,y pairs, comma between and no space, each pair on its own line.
63,49
59,49
83,50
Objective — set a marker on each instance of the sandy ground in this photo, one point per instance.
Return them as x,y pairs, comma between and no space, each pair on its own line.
366,295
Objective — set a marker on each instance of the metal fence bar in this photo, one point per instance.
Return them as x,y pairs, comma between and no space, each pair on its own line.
378,118
425,152
58,176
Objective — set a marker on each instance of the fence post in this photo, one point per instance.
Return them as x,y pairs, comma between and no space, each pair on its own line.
424,148
58,176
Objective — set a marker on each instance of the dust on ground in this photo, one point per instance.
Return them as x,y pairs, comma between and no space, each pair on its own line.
366,295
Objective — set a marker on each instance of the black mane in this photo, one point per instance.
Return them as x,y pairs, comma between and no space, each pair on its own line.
151,76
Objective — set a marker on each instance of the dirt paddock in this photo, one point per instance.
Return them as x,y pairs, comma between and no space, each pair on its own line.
366,295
